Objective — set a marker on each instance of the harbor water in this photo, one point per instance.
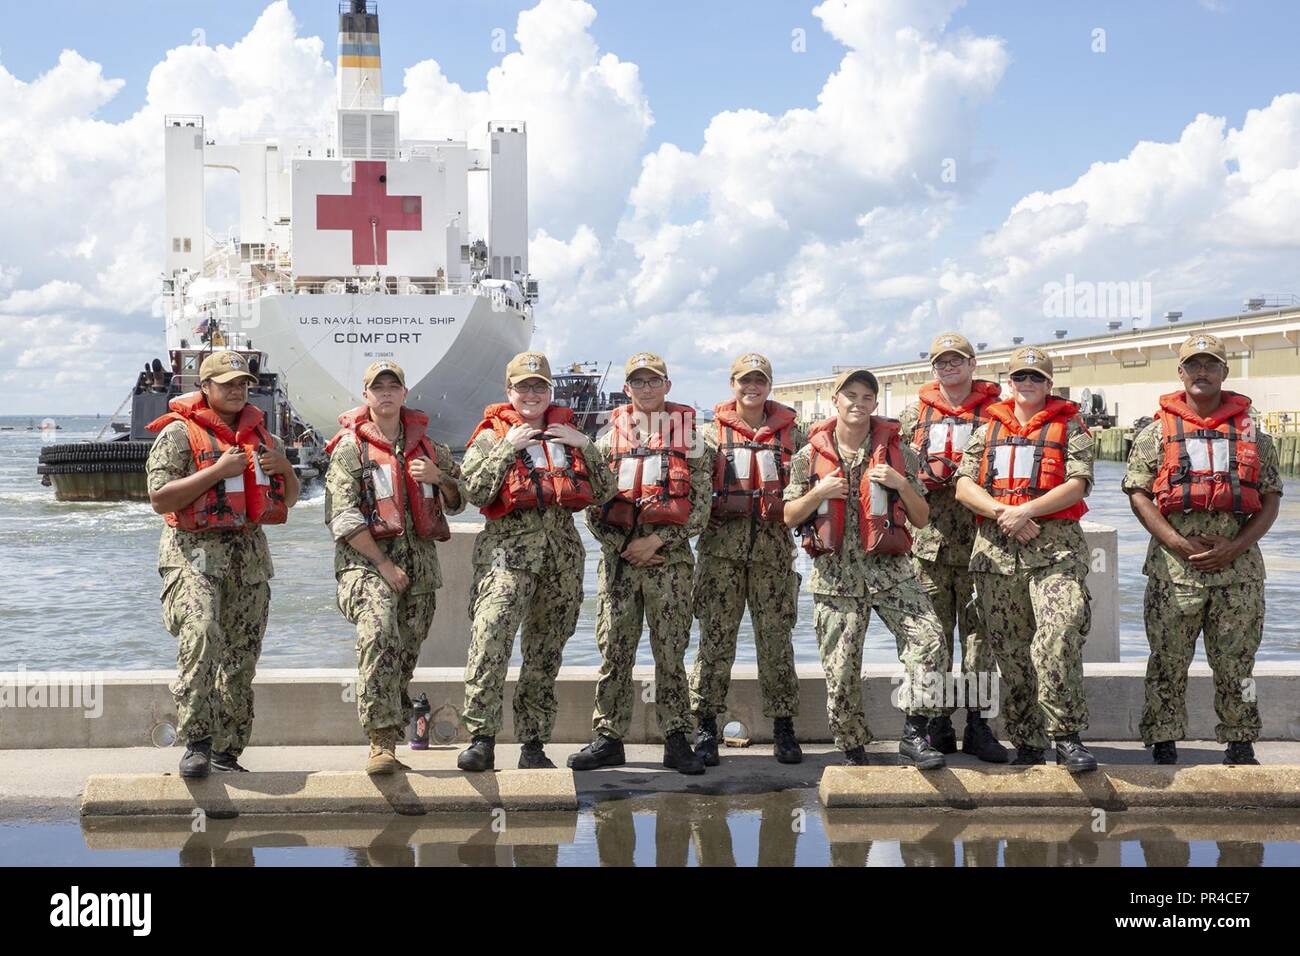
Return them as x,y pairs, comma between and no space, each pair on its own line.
79,583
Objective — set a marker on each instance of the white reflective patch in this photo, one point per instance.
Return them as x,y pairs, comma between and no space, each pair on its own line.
1024,463
383,478
1198,454
627,474
426,489
537,456
556,451
1013,461
767,470
824,507
261,477
650,474
235,486
939,435
879,499
1219,449
743,461
1002,461
961,436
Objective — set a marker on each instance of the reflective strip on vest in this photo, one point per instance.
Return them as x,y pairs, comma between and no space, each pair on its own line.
1008,465
879,499
941,433
1208,454
383,477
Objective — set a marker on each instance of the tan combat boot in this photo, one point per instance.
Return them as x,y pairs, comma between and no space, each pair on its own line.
383,757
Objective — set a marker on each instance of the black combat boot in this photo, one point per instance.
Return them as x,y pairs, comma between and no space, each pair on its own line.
479,755
942,737
679,756
225,761
601,752
1240,752
1073,755
706,741
533,757
856,757
1028,756
1164,752
979,740
197,761
784,747
915,748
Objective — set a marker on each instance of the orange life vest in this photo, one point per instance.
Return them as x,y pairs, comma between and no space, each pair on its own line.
882,519
387,488
253,498
1024,462
752,467
943,429
1209,464
654,478
541,475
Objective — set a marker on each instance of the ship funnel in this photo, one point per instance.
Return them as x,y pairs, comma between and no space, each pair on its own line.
359,83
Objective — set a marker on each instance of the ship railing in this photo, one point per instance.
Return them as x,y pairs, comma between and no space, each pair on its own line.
391,285
1281,422
369,152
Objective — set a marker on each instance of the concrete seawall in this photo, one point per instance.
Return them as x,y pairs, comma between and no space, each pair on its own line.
318,707
448,642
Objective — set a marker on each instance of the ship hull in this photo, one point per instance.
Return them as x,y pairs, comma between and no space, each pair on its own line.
453,348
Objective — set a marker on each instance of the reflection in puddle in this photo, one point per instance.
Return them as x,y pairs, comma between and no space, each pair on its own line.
775,829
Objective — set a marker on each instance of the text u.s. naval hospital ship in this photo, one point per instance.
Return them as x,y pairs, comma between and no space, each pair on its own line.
358,248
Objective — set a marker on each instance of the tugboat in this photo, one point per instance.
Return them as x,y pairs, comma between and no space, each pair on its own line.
114,470
581,388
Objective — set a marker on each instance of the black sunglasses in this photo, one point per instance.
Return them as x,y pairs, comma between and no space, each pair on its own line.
1036,377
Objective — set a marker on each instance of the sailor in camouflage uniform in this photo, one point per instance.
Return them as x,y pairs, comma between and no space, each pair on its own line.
947,411
386,586
849,583
1027,484
215,593
746,556
663,500
528,559
1205,572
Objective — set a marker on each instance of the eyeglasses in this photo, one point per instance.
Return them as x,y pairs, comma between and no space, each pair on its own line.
943,364
1036,377
641,384
532,389
1201,368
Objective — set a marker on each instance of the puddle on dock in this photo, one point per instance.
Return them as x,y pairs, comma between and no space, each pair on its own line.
789,828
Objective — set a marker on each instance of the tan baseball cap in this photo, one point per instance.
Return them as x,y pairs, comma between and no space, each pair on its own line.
860,373
646,360
1203,343
751,362
528,365
376,369
951,342
225,367
1030,358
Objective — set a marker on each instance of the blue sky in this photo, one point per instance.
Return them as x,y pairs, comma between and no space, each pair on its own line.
1165,61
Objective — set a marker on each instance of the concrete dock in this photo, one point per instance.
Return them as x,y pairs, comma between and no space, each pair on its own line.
39,784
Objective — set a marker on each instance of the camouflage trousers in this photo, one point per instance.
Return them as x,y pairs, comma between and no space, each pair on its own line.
219,624
951,589
547,607
722,589
390,629
1232,619
841,625
1037,621
661,596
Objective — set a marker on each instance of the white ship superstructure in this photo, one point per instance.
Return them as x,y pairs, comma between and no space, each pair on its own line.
357,248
